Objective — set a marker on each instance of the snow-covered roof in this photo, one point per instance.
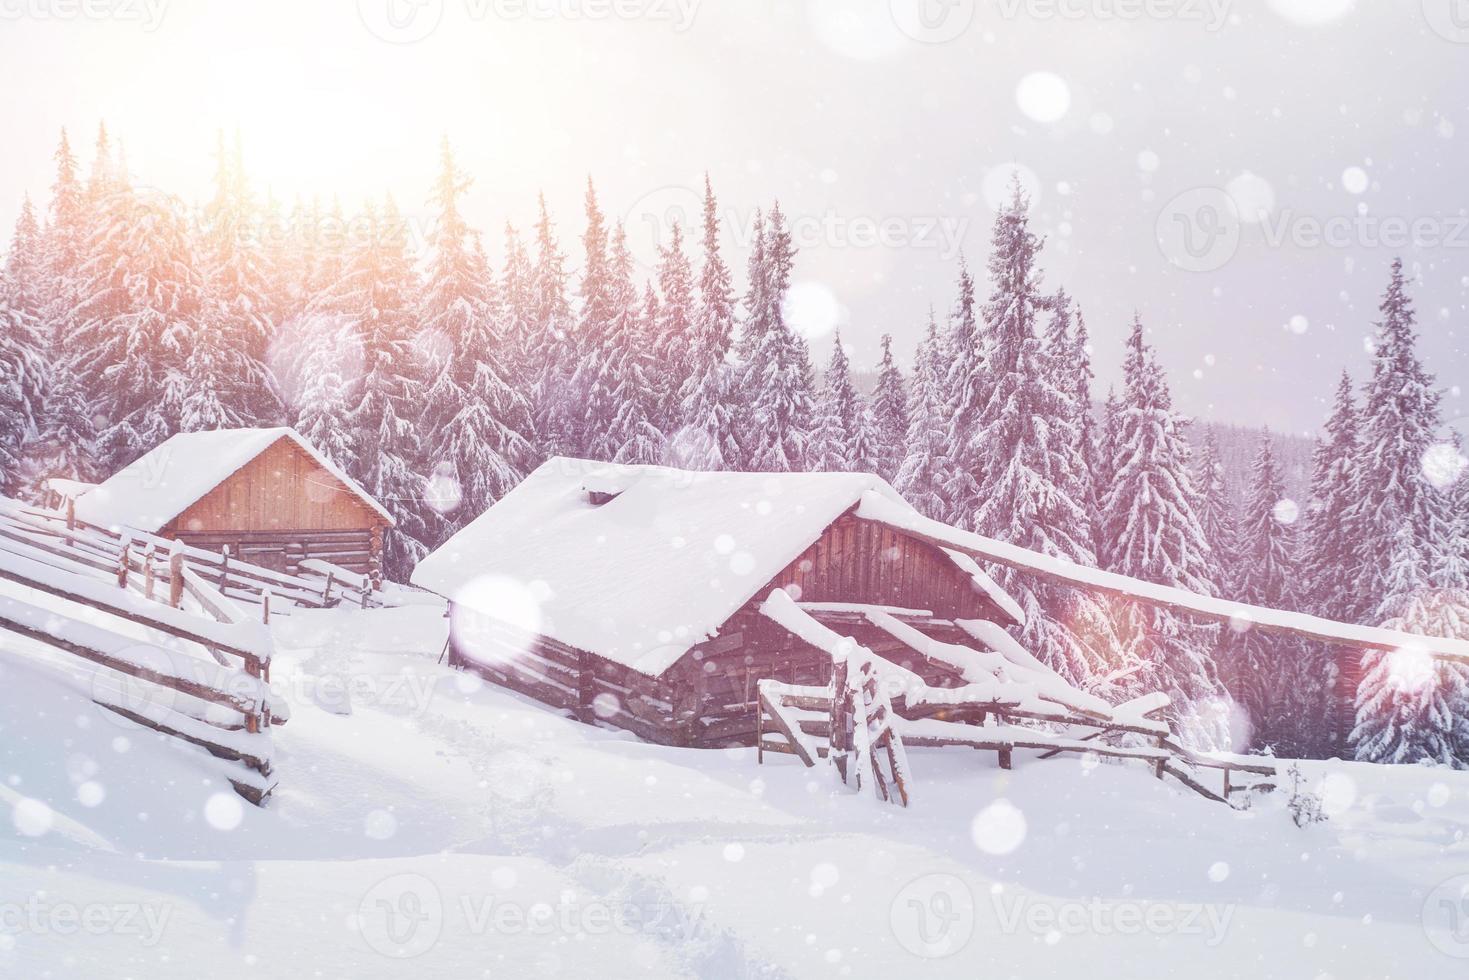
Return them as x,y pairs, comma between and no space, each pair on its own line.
159,486
651,572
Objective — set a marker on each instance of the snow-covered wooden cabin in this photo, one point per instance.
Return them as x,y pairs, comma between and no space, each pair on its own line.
631,594
266,494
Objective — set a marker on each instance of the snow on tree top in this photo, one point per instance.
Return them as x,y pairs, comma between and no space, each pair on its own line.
160,485
637,564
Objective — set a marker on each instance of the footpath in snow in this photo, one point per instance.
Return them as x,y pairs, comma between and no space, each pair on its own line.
429,825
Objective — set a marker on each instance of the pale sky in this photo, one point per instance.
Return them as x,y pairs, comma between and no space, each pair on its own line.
884,127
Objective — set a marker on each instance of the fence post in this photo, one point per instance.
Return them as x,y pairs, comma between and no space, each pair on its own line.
176,575
326,591
366,586
265,607
148,575
124,560
224,569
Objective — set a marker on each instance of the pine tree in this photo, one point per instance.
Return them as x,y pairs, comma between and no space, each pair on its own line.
21,386
838,417
965,392
142,302
240,287
552,354
1398,424
634,435
1410,707
890,417
779,379
676,326
1217,519
475,421
706,440
376,300
517,297
1152,525
1266,673
920,477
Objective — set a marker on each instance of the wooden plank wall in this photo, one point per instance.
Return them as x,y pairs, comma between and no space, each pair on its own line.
859,561
282,489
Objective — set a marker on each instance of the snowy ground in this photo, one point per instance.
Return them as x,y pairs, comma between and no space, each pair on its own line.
471,833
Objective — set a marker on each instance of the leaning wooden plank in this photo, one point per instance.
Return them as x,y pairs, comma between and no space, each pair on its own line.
1192,783
250,641
216,604
878,508
168,668
218,743
776,719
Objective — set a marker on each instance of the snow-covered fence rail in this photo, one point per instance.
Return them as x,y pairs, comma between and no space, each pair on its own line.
319,584
78,610
995,688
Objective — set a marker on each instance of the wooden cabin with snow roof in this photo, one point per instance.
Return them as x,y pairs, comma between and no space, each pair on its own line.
631,595
267,495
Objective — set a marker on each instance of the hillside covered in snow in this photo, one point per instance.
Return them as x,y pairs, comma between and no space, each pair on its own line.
428,825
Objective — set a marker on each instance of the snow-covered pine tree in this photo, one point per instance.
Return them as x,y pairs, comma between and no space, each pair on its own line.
677,315
322,412
1286,702
141,302
1399,422
779,378
1218,519
552,355
837,418
1025,444
1151,521
517,299
587,412
1410,707
965,389
706,439
473,422
240,287
21,386
634,435
376,300
889,415
1070,346
920,477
